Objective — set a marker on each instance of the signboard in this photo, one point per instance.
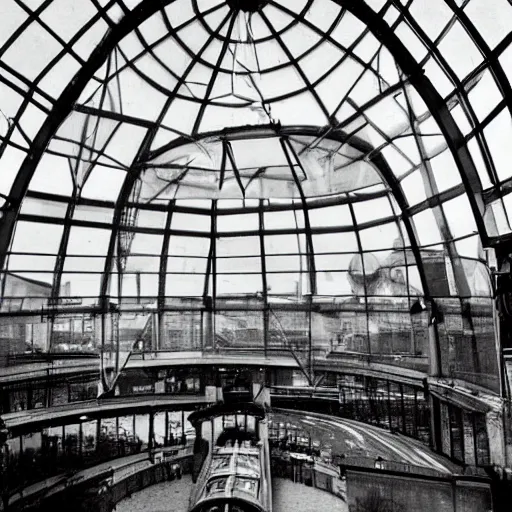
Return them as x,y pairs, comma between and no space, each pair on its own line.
69,301
142,389
210,394
62,327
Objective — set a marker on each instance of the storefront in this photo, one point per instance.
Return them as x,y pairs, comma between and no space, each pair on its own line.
36,453
461,434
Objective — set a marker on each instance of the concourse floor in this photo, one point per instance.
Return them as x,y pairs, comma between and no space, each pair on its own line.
290,497
164,497
286,496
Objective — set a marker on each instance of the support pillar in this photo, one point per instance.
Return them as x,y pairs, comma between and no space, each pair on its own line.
156,331
208,330
435,424
434,349
446,443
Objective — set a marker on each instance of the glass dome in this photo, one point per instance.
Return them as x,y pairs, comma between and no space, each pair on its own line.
301,170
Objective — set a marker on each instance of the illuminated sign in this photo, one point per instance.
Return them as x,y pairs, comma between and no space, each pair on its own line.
146,388
69,301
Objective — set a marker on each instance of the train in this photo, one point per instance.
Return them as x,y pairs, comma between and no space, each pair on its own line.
231,459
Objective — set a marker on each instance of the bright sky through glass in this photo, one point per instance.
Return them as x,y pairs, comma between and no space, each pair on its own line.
151,139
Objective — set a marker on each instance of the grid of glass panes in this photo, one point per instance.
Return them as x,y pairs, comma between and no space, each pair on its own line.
73,242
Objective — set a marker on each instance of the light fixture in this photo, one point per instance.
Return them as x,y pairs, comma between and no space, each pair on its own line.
418,307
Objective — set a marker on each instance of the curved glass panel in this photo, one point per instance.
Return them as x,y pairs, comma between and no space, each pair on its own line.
181,175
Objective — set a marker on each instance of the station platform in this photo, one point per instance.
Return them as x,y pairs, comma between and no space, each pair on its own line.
362,444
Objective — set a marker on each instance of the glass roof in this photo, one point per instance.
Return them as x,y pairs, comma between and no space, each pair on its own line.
194,148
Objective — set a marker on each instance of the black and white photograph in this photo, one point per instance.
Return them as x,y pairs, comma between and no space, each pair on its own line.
256,255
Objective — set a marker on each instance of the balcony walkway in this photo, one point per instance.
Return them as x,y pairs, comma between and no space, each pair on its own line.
98,406
362,443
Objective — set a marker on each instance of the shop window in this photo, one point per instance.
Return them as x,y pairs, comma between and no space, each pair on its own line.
175,427
299,379
456,433
59,395
82,391
13,462
423,413
159,436
182,381
395,403
72,446
53,449
409,410
482,441
330,380
469,439
89,440
128,442
31,456
18,400
107,442
142,431
38,398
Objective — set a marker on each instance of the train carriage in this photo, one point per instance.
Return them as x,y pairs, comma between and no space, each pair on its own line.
235,470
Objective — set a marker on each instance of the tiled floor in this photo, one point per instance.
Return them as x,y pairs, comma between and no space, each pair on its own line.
290,497
165,497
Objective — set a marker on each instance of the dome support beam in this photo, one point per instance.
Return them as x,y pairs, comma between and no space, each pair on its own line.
209,301
142,157
434,102
360,247
162,270
61,110
209,88
495,68
261,223
310,254
431,189
399,196
460,88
